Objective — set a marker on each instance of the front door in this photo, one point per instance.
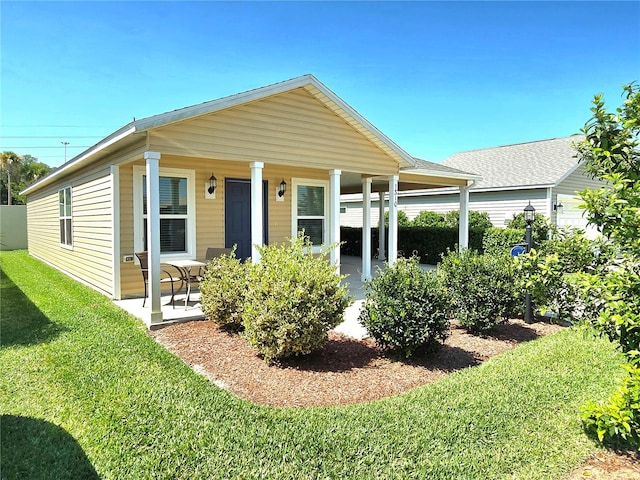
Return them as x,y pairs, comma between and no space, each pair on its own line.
237,214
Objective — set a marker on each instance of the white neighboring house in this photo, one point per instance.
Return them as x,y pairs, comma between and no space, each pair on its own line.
545,173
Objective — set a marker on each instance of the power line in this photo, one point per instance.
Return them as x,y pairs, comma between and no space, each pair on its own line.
49,136
59,126
22,147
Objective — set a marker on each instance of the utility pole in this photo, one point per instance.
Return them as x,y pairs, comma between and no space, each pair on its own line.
65,150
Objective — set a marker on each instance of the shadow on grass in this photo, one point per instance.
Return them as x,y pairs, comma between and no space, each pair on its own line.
33,448
21,322
446,358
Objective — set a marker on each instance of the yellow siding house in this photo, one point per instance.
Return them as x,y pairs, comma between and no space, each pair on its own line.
279,158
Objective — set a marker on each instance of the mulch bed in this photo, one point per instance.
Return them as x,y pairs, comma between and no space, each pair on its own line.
345,371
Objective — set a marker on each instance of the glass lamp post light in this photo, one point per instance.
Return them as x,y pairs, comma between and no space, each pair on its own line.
529,218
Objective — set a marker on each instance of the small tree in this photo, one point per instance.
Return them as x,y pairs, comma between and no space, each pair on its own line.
610,151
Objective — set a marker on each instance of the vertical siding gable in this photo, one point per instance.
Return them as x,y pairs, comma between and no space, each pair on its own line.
291,128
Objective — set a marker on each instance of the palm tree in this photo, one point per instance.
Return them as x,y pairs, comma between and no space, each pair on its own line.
10,162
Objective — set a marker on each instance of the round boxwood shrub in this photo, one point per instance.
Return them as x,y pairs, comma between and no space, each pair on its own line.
405,309
223,290
481,288
294,299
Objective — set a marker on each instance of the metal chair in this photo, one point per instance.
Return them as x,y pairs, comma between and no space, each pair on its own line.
143,257
213,252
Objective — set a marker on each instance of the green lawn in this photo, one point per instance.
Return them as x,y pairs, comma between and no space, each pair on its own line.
86,393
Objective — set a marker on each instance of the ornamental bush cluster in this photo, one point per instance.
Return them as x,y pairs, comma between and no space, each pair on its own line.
481,288
223,290
406,309
286,304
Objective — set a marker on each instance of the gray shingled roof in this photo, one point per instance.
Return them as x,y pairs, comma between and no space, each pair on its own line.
437,167
544,162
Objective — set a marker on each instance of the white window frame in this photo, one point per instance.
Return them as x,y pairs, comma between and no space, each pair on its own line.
295,182
68,243
138,217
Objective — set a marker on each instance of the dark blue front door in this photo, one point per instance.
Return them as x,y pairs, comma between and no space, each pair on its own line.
237,214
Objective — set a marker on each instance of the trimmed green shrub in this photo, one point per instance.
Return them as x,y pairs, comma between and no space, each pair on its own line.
406,309
427,218
500,241
576,253
294,299
481,288
403,220
556,273
223,290
477,220
430,243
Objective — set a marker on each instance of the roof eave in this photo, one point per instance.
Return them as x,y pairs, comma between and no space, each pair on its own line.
84,158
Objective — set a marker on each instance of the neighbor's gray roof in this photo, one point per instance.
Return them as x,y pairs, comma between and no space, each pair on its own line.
539,163
438,167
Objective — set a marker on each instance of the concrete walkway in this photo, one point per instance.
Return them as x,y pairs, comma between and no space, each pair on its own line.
350,266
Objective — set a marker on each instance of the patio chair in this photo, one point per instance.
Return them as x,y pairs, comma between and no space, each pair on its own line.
143,257
213,252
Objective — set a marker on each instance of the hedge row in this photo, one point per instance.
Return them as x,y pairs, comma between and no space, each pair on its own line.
430,243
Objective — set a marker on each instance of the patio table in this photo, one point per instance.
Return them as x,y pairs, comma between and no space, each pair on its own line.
184,267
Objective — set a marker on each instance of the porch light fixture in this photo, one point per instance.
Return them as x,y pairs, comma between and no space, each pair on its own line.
558,206
213,183
283,188
529,218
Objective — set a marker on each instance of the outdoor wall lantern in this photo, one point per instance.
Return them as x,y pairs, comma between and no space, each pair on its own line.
283,188
210,187
213,183
529,218
558,206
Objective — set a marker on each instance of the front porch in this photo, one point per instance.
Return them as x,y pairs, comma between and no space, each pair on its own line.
350,266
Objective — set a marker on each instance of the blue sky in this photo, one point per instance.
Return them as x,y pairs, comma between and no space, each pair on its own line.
437,78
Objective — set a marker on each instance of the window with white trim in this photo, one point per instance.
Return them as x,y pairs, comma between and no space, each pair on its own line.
310,209
66,222
177,212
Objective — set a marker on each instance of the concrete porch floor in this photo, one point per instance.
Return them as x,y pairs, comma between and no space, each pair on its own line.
350,266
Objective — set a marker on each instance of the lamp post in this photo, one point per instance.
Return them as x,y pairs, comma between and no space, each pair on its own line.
529,218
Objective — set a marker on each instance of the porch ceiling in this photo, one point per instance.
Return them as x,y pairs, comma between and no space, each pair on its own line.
352,182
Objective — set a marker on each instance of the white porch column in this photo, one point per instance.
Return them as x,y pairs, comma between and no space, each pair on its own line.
256,209
393,219
382,235
366,229
334,216
153,234
114,175
463,232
